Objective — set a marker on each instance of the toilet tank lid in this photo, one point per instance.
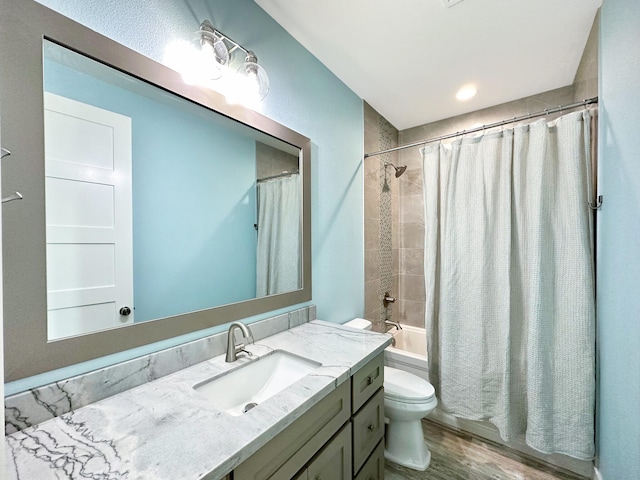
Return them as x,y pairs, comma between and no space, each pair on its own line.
401,384
360,323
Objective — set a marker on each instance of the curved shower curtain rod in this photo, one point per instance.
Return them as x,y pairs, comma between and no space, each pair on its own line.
542,113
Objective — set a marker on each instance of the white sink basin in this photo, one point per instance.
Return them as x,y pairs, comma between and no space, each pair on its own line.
237,391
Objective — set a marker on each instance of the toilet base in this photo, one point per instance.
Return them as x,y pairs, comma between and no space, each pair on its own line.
405,445
401,461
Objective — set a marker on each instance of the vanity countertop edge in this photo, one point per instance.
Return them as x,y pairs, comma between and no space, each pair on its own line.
164,429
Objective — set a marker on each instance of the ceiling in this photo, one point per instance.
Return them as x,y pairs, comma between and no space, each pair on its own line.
408,58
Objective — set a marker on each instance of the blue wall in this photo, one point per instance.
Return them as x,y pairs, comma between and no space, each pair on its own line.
187,176
618,419
305,96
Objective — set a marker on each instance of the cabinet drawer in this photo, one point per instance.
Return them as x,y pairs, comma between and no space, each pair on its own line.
366,381
373,468
368,429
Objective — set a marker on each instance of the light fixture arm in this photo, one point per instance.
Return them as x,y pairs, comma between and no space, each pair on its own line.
232,45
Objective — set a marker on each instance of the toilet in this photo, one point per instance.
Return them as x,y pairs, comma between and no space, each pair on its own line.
407,400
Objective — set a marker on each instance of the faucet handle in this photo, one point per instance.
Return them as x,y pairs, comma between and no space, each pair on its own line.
240,348
387,299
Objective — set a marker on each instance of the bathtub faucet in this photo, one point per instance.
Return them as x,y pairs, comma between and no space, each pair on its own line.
391,324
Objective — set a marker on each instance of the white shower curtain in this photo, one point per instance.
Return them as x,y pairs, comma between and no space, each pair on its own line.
510,284
278,256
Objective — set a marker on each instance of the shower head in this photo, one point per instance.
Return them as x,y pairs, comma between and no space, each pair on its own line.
399,170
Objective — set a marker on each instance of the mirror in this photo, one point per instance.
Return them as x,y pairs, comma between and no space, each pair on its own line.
152,202
128,169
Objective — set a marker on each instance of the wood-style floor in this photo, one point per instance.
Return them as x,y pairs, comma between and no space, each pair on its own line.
457,456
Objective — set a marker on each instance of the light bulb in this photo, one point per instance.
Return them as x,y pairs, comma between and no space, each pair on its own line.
213,52
253,82
255,78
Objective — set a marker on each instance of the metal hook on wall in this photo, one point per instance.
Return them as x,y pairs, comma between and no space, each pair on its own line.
12,197
597,204
15,195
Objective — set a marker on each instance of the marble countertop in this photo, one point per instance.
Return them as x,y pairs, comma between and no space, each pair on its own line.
166,430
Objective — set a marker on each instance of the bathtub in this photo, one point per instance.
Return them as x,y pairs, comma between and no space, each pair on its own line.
409,351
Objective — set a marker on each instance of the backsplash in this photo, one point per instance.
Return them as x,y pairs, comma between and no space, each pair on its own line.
37,405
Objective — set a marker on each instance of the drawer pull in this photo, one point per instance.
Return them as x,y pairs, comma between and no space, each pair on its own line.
371,427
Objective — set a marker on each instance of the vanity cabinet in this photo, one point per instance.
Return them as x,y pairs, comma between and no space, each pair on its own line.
340,438
368,429
373,468
334,460
366,381
367,399
293,448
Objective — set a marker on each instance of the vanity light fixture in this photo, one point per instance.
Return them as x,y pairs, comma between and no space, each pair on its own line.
216,50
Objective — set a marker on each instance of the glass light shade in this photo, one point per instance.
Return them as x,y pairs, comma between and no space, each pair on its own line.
255,77
214,54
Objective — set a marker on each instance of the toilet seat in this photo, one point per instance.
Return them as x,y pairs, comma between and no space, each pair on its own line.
405,387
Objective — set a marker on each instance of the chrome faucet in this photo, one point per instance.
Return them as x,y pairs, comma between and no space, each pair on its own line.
232,348
391,324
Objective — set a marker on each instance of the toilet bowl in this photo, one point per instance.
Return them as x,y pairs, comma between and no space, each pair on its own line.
407,400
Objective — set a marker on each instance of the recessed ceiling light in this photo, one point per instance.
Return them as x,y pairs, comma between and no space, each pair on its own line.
466,92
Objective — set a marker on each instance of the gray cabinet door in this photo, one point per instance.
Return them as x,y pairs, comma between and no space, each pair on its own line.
334,461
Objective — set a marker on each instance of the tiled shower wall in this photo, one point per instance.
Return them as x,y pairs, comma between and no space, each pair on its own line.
407,207
272,161
381,193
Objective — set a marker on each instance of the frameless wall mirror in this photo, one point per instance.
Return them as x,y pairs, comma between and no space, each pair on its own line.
151,208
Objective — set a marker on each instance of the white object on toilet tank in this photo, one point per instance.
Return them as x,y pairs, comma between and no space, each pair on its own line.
359,323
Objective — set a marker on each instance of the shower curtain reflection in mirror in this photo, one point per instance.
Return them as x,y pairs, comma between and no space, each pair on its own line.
278,259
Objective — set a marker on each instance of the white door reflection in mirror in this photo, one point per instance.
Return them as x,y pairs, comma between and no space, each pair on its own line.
88,216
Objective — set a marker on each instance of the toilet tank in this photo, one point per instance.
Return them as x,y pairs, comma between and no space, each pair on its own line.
359,323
